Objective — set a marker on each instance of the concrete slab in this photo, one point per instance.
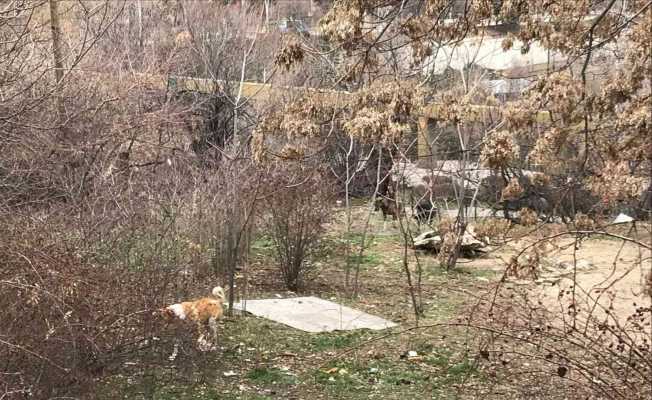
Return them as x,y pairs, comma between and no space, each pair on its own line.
312,314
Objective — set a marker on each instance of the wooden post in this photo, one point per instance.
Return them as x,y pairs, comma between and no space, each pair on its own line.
424,151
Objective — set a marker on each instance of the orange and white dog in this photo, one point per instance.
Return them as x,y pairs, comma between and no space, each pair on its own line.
204,312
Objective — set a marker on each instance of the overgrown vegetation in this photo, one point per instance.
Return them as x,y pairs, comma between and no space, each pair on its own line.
153,150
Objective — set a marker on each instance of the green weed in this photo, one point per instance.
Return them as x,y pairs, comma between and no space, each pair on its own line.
262,375
331,341
367,260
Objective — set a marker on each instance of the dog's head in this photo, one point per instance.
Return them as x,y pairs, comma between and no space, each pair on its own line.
218,293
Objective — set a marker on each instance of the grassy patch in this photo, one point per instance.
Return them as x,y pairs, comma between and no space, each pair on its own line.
357,379
332,341
433,377
367,260
432,269
262,375
254,336
158,388
172,389
453,371
263,246
371,239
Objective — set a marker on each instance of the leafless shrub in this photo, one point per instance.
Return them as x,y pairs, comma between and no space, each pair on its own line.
580,345
70,311
297,212
492,229
221,217
109,230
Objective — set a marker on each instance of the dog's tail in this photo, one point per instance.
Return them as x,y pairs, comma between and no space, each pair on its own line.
218,293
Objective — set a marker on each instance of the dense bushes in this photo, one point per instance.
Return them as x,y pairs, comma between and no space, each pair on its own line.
65,317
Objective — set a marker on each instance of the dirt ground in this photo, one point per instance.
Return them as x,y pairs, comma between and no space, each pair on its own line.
614,280
610,273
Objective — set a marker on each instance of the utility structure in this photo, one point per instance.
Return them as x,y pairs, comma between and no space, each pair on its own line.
265,92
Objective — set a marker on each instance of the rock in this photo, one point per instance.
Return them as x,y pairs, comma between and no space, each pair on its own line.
584,265
622,219
549,265
428,240
553,270
470,241
581,265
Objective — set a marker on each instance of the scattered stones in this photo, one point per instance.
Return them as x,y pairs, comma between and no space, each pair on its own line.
556,266
554,270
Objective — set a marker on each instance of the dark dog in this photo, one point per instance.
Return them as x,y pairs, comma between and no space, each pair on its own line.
425,211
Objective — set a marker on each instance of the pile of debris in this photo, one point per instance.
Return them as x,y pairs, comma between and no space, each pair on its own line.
431,241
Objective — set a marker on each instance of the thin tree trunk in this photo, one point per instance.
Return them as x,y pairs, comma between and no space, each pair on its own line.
57,56
140,24
406,267
347,200
363,240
